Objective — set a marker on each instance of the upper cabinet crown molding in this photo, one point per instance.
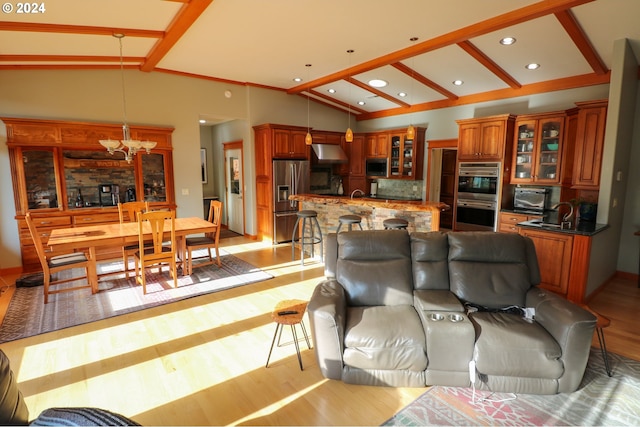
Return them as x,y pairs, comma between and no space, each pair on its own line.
72,134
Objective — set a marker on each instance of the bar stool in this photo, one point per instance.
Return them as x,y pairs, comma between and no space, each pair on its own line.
309,218
350,220
395,223
289,312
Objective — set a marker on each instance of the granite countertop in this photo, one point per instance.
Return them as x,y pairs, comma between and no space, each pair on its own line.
582,228
377,202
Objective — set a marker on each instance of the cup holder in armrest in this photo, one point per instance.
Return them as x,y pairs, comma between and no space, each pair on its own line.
436,317
456,318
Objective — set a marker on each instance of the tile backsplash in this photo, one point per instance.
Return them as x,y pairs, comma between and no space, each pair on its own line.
397,187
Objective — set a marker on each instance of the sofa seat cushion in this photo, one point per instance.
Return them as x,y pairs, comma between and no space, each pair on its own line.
384,337
508,345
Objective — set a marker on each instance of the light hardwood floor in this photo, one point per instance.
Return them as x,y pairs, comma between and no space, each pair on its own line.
201,361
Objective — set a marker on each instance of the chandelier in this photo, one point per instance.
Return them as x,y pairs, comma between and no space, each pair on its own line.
127,146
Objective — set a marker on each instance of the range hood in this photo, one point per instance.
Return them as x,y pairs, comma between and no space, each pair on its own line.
330,153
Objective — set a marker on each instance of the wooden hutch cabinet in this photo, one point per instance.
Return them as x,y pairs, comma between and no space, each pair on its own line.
65,178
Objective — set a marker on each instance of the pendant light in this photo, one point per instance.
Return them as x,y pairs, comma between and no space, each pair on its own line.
308,139
348,136
411,131
129,147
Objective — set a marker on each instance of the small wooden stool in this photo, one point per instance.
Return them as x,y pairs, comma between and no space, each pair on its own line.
289,312
601,323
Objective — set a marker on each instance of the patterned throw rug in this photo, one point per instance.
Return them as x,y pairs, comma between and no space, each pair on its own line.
599,401
27,314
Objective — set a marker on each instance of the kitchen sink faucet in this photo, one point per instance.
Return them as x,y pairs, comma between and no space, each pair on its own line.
357,190
566,219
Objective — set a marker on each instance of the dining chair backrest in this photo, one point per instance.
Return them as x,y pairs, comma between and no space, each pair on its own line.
37,241
159,223
132,209
215,216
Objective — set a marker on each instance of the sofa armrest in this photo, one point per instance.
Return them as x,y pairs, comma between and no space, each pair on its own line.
327,314
571,326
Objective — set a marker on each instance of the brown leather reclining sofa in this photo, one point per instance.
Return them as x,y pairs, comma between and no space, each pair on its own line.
411,310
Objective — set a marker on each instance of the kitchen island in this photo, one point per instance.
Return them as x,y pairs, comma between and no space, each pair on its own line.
421,215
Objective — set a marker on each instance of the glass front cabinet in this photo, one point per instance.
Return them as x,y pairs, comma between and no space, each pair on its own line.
65,177
537,153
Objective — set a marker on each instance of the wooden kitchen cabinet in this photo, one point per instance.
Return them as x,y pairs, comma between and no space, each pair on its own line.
554,252
589,144
355,169
52,160
508,221
289,143
485,138
406,159
537,149
377,145
274,141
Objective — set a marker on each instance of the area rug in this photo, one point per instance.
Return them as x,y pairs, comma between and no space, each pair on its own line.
599,401
27,314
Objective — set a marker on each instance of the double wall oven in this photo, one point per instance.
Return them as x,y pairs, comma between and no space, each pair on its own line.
479,187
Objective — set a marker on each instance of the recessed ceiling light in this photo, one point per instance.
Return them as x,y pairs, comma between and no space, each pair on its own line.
331,90
297,79
361,102
402,94
507,41
458,82
532,66
202,121
377,83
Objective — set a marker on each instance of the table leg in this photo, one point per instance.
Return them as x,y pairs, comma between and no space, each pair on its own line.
94,271
181,246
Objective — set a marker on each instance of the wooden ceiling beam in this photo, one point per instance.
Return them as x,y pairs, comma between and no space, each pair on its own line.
422,79
531,89
332,101
375,91
181,22
78,29
480,56
514,17
69,58
573,29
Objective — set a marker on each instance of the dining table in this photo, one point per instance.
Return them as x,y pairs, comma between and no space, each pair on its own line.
93,236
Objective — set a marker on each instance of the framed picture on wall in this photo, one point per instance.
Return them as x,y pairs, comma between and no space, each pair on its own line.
203,164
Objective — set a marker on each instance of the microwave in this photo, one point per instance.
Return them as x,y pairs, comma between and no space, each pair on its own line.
378,167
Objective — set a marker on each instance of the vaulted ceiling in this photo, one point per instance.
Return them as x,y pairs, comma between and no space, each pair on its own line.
419,47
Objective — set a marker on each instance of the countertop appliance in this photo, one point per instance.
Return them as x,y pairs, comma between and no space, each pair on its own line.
477,197
289,177
377,167
530,199
108,194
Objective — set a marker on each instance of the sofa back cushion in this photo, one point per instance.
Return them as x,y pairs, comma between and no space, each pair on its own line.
429,252
490,269
374,267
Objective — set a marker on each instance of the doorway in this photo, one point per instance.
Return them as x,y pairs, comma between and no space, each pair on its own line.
234,186
441,179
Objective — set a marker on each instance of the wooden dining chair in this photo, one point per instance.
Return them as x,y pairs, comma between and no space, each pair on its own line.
52,265
208,241
162,250
128,212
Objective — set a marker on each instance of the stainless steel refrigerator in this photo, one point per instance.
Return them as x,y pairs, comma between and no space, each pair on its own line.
289,177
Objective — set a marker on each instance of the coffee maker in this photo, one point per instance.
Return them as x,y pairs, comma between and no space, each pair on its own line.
108,194
130,195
